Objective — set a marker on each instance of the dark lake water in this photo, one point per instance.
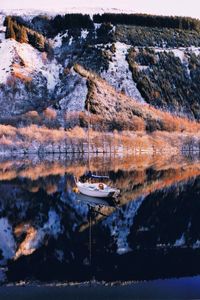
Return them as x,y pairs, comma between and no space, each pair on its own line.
50,234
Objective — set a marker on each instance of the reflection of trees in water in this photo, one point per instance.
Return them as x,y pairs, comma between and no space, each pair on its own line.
124,171
35,167
168,218
157,223
50,226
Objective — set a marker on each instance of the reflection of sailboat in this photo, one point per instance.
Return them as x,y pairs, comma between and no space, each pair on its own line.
93,201
98,190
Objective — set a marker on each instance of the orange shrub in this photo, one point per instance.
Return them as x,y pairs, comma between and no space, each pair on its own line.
50,113
22,77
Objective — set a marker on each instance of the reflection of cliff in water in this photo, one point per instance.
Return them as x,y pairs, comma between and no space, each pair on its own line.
153,233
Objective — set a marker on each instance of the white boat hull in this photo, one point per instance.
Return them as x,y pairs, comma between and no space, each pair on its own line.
92,190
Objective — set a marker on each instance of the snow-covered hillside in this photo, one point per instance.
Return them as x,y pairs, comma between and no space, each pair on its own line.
23,59
38,71
119,75
30,13
23,63
2,27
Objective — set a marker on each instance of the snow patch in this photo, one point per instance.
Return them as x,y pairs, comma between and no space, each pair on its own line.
178,52
35,63
84,33
113,29
7,54
142,68
119,75
57,41
52,74
195,50
70,40
2,36
2,28
97,26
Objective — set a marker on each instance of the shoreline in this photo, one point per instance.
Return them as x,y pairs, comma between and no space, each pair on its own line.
182,288
129,153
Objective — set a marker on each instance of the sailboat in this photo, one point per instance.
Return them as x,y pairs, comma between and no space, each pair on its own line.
98,190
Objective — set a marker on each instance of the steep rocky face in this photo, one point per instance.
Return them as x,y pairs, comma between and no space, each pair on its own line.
36,66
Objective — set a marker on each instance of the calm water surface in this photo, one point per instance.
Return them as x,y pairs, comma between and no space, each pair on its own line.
50,234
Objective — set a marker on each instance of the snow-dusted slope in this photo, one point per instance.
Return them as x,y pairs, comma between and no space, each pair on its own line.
34,80
25,60
74,90
7,53
30,13
119,75
2,28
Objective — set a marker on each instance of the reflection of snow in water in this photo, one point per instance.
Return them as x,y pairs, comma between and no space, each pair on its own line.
34,237
2,275
180,242
65,219
7,242
120,223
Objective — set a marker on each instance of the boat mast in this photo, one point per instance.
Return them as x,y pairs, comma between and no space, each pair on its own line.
88,109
